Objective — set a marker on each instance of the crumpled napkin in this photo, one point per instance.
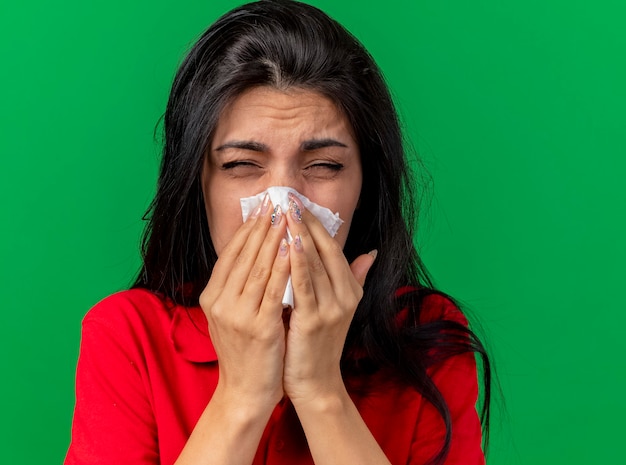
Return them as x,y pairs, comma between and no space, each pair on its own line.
278,196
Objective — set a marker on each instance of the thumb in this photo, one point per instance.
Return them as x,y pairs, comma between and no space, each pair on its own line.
361,266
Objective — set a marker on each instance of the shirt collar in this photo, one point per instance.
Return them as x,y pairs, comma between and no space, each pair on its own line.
190,334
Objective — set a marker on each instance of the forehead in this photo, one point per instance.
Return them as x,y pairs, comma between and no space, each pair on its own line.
260,109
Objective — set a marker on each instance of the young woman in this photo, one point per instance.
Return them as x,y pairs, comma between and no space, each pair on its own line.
201,362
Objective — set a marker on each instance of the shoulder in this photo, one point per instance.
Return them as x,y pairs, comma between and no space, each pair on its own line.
128,313
429,308
144,320
132,303
436,307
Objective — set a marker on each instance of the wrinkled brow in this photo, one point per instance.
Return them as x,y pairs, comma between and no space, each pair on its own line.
243,145
306,146
315,144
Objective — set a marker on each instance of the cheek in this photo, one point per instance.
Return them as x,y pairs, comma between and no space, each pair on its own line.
343,198
351,204
346,212
342,234
224,218
222,230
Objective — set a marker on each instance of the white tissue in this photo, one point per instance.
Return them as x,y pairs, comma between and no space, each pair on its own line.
278,196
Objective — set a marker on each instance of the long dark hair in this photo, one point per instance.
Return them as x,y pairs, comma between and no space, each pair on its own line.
286,44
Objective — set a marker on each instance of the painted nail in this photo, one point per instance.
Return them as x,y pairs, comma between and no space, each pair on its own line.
297,242
373,253
283,248
265,205
256,211
295,207
277,215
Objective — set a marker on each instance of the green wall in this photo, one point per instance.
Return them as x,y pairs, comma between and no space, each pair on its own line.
517,109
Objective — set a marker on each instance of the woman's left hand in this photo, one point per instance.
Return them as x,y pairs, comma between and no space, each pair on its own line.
327,291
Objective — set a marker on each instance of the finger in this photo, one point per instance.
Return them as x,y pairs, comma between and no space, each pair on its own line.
361,266
240,260
329,252
231,252
303,291
310,279
271,305
260,272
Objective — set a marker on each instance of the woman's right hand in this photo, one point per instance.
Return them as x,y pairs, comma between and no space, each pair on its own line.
243,305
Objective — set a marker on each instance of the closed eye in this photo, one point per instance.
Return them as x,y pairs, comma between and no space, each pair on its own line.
326,165
239,163
323,171
242,168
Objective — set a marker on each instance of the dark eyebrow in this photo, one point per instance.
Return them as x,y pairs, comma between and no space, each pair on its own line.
315,144
306,146
243,145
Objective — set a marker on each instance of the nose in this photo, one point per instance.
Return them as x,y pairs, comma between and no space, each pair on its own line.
286,176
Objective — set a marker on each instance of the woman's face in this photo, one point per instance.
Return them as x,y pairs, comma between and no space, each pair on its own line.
295,138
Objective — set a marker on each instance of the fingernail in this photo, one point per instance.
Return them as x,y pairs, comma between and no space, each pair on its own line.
265,205
297,242
283,248
277,215
373,253
295,207
256,211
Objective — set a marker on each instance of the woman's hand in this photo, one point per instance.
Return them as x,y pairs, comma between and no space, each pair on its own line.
242,302
258,363
243,305
327,291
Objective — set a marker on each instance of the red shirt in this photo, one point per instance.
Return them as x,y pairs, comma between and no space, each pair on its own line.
146,372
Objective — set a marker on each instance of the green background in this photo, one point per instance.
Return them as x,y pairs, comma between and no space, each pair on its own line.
517,108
